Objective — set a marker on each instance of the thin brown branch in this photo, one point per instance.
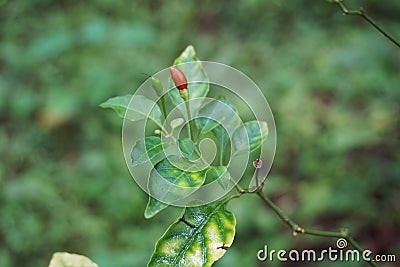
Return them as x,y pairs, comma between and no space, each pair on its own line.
361,12
300,230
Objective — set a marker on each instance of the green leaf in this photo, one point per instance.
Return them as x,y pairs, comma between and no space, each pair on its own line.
145,149
254,132
222,136
64,259
200,242
194,73
217,112
221,173
140,107
186,147
175,171
224,113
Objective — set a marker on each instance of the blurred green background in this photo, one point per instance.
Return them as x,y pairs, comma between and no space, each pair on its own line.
332,82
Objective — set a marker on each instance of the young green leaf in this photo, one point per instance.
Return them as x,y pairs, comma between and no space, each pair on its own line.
199,239
194,73
250,136
170,182
147,149
222,139
222,136
140,108
64,259
225,113
219,172
217,112
186,146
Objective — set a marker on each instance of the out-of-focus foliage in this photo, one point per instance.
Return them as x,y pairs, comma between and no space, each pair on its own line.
332,83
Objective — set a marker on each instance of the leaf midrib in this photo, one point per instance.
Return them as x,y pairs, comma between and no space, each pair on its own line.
196,232
153,147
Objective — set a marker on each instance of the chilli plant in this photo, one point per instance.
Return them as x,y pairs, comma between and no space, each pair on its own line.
179,169
205,230
176,166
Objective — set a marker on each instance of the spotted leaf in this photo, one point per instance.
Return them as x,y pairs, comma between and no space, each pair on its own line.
200,238
172,179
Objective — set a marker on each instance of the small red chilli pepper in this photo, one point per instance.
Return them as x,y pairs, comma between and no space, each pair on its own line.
179,78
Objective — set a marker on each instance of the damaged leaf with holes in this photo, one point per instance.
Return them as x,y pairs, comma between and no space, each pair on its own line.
200,238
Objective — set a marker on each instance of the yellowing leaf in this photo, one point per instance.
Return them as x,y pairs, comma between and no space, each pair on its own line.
198,240
64,259
172,179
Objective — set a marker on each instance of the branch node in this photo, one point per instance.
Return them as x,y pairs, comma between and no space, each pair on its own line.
297,230
345,232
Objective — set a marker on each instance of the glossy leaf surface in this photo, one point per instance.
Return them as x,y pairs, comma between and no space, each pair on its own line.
172,179
204,238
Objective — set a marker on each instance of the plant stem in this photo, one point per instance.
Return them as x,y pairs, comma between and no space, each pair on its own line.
344,233
191,127
256,175
238,187
221,155
296,228
299,230
367,18
164,109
